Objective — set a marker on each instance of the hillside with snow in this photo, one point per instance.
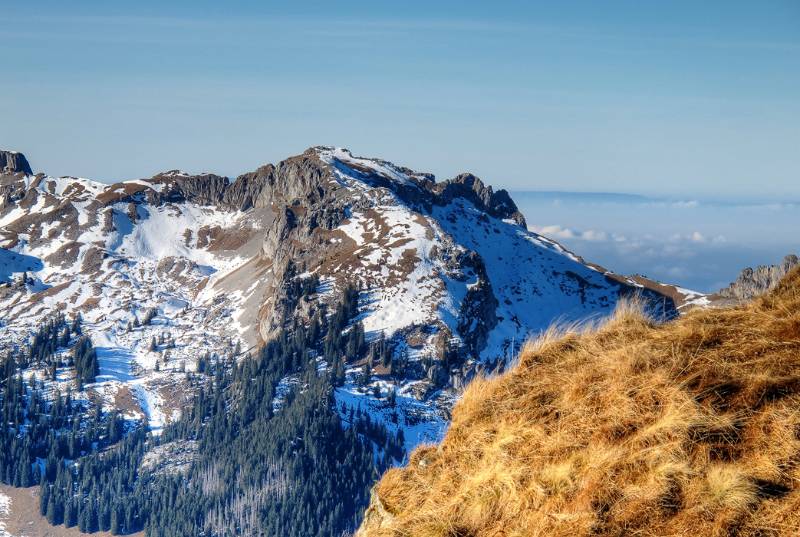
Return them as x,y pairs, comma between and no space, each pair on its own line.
178,268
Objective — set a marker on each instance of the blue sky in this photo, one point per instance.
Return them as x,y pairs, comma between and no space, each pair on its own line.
665,98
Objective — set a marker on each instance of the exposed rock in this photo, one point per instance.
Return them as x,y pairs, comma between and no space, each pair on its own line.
13,162
376,516
423,191
173,267
304,178
753,282
498,204
246,189
478,314
93,260
204,189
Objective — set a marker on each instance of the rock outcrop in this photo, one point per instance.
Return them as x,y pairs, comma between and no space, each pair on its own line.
753,282
303,178
477,317
13,162
177,187
498,204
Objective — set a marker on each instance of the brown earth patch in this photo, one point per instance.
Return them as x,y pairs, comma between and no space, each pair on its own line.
126,401
231,239
66,255
89,303
400,242
93,260
120,192
25,519
50,292
206,234
74,190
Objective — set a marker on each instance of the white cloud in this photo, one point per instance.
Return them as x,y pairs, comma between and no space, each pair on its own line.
691,204
560,232
696,236
553,232
593,235
682,204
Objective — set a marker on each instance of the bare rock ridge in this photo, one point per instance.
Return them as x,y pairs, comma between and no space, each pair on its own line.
753,282
306,178
301,178
13,162
466,185
298,178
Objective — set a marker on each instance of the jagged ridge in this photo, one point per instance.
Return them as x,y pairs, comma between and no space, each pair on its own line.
753,282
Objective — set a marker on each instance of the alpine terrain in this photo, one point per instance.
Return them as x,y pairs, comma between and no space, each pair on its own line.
252,353
634,428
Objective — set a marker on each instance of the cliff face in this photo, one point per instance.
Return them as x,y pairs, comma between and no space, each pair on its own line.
12,162
466,185
684,428
753,282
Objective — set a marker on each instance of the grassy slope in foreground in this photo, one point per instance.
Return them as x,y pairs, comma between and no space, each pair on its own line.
687,428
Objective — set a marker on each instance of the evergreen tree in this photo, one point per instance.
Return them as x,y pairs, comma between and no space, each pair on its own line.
298,471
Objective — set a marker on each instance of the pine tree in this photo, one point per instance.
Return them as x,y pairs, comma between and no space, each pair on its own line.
115,526
70,513
366,374
326,469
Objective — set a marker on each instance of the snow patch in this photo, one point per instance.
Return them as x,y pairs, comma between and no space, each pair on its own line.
5,512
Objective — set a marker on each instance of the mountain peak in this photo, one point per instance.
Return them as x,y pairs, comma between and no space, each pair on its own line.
422,186
14,162
422,286
498,204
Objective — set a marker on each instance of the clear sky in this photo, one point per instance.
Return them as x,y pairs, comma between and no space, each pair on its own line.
668,98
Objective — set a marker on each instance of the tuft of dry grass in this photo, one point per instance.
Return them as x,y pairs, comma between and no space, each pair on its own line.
631,428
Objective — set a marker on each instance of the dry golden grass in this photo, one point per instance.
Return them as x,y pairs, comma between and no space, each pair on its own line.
689,428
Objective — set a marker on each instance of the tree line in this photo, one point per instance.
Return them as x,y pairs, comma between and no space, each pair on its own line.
258,469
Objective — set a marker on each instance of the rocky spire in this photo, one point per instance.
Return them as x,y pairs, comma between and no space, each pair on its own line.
13,162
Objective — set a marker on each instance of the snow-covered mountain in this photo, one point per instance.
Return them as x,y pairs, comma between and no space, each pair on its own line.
173,268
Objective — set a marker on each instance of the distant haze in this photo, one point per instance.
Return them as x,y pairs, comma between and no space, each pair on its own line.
696,243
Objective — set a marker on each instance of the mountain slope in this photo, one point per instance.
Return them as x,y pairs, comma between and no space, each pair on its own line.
684,428
167,270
